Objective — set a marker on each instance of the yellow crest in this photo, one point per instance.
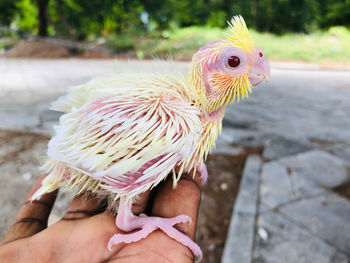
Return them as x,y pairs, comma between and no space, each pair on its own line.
238,34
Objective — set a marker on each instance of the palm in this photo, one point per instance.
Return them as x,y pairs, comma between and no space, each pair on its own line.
157,247
85,240
83,233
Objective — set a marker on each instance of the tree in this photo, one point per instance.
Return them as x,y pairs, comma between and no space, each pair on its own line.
82,19
8,9
42,17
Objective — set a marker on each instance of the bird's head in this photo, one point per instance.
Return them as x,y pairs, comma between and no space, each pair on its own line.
225,70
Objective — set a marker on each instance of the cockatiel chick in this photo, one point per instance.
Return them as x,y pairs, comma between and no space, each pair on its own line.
122,135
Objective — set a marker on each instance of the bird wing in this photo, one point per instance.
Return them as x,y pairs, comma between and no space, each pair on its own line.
130,143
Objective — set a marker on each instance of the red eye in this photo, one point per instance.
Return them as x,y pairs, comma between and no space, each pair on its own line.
234,61
261,54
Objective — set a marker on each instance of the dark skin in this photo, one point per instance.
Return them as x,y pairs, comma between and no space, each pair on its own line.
83,233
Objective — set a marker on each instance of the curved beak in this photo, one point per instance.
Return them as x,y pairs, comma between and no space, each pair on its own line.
260,72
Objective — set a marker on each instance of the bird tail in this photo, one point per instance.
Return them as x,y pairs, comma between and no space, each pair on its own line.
68,178
53,180
49,184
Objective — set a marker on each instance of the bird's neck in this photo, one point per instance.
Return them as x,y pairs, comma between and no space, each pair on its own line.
200,100
211,120
215,116
211,125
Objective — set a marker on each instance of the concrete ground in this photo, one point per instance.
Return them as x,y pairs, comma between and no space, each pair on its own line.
288,208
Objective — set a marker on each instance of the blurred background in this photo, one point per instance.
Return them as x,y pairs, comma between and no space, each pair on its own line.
279,177
307,30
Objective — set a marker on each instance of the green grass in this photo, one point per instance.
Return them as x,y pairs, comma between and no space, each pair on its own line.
327,46
332,45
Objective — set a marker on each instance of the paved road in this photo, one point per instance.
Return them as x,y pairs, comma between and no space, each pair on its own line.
301,120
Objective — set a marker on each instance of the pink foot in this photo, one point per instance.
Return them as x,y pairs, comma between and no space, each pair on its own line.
203,171
126,221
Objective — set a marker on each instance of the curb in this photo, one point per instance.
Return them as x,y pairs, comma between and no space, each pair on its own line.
240,237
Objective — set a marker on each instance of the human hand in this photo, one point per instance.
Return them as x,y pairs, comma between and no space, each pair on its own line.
83,233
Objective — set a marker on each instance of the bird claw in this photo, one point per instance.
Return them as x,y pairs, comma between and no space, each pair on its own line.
148,224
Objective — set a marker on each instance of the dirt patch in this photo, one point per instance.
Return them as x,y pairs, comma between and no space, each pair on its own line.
37,49
19,167
218,198
42,49
13,143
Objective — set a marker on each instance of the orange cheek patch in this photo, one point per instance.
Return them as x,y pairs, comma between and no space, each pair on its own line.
221,80
226,89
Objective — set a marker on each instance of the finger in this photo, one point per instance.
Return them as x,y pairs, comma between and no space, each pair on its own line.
85,205
32,216
184,199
